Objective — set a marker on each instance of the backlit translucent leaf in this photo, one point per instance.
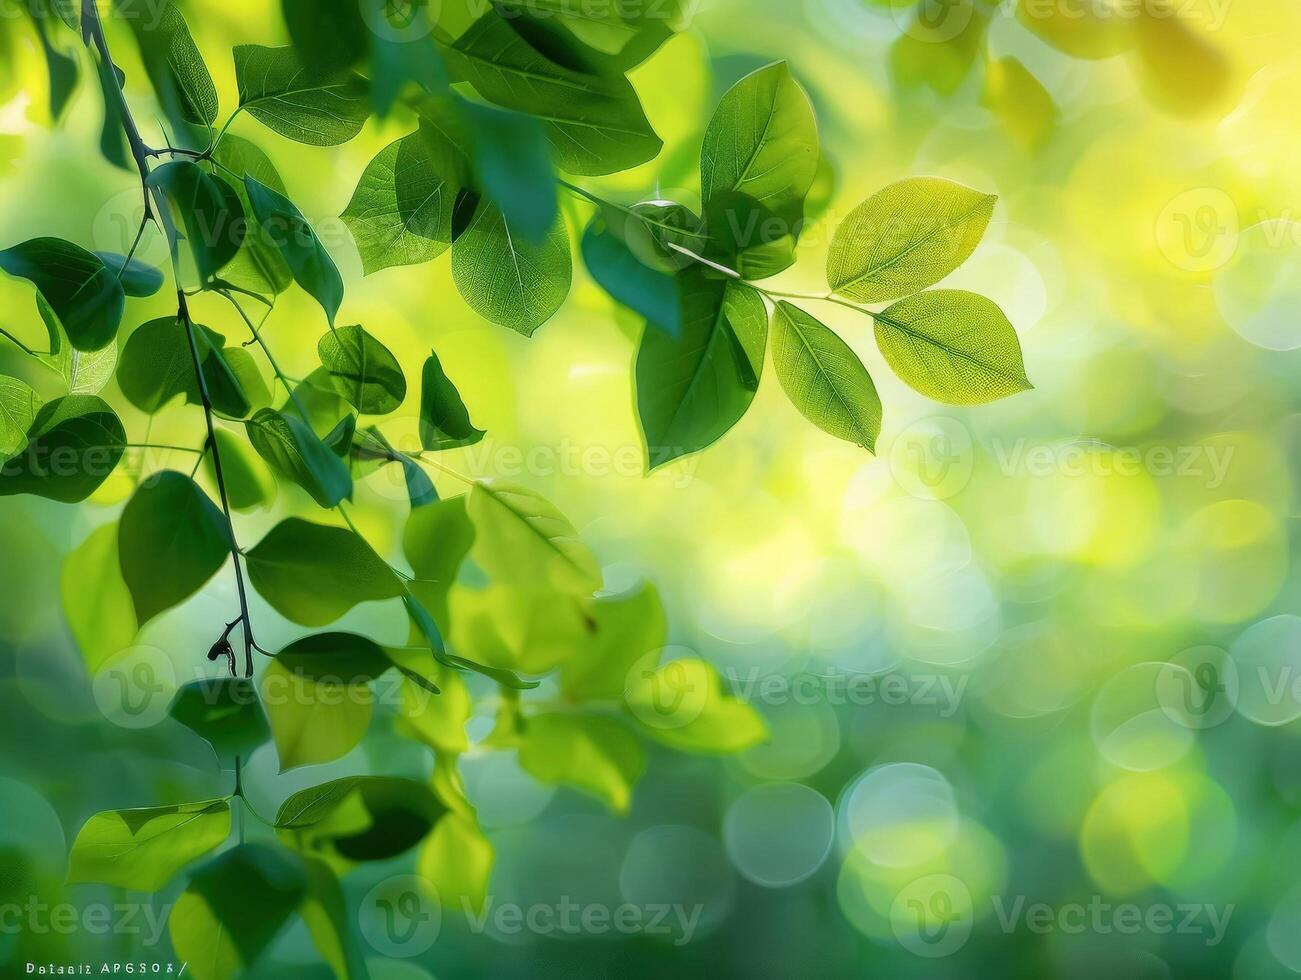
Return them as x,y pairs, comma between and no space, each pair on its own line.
906,237
507,279
953,346
321,108
824,378
142,849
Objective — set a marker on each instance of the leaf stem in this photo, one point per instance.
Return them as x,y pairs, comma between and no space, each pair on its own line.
271,358
20,345
93,32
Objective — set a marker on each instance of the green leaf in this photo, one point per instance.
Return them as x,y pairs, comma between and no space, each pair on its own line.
402,812
327,34
512,165
327,917
435,542
605,38
444,419
524,542
207,209
142,849
693,388
19,405
84,372
257,265
953,346
362,370
682,704
176,70
96,601
595,124
232,909
225,711
60,69
762,142
320,108
824,378
171,540
157,365
294,451
80,289
624,254
138,278
341,658
401,211
628,626
457,859
313,722
596,755
313,574
507,279
284,226
249,482
73,445
906,237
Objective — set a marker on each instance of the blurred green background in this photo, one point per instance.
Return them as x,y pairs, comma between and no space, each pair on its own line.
1032,674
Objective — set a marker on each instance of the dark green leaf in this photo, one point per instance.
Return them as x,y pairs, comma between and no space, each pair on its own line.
692,389
284,226
339,658
953,346
362,370
294,451
81,291
402,812
209,211
225,711
234,907
176,70
823,378
157,365
329,35
171,540
444,419
512,162
137,278
507,279
603,38
73,445
313,574
258,265
321,108
905,238
626,260
595,124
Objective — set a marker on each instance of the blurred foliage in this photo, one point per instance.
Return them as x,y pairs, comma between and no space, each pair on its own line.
1013,694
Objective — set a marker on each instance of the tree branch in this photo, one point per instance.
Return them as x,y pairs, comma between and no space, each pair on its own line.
93,30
